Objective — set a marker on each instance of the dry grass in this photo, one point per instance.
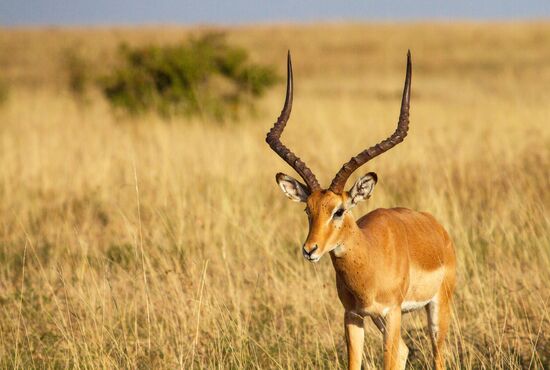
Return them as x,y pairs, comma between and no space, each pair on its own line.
139,243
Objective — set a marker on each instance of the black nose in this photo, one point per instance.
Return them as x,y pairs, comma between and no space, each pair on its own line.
308,254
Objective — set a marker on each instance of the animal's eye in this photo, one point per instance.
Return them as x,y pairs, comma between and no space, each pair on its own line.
339,213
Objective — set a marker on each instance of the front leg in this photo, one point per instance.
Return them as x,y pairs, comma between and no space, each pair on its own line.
380,323
392,339
355,337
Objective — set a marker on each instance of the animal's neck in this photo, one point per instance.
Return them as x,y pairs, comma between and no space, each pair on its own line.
356,259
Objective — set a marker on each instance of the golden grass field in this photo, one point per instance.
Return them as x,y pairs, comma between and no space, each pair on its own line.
144,243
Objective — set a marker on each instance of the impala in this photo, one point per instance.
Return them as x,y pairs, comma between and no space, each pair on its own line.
388,262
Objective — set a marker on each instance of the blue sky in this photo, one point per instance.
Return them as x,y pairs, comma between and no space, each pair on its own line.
71,12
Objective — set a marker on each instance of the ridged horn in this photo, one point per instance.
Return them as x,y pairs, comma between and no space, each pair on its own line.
339,181
274,136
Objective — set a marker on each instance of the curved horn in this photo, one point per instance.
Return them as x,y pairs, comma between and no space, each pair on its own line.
398,136
274,135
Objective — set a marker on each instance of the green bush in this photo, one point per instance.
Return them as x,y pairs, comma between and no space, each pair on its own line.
203,76
78,71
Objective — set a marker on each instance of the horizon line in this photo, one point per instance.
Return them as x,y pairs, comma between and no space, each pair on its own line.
309,22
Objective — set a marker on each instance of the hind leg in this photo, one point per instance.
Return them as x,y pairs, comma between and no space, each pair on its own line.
439,316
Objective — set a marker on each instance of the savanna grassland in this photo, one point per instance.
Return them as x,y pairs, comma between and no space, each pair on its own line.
142,242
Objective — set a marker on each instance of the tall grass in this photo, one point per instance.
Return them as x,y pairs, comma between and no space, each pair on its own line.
140,243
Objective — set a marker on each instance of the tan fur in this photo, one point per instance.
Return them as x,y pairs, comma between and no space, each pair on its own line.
386,258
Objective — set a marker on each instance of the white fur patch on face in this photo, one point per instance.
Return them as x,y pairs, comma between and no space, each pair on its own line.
337,215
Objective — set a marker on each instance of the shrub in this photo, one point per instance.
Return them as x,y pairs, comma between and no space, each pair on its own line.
78,71
203,76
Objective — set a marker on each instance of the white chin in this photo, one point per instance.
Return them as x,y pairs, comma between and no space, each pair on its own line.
338,250
315,259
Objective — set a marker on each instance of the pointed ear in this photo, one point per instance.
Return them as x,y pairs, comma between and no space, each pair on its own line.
292,188
362,189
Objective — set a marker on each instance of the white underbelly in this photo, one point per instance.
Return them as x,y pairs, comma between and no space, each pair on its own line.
408,306
423,289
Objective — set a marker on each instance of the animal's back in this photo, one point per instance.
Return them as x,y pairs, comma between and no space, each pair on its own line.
425,240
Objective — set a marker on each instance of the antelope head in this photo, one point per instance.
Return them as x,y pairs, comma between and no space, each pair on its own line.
328,209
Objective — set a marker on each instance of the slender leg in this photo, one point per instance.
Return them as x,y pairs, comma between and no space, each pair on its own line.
403,349
432,310
355,337
392,339
439,316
